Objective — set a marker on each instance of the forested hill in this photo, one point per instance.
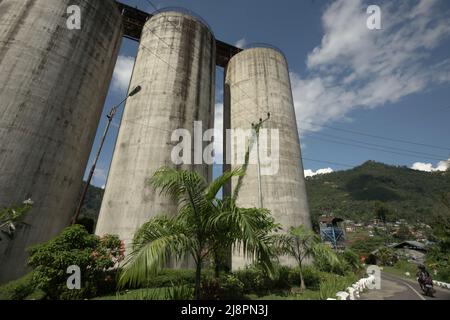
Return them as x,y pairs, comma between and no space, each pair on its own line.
354,194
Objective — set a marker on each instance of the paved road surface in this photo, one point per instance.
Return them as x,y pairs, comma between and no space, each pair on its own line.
396,288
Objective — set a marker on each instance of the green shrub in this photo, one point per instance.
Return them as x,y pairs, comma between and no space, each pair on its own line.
253,279
95,256
332,284
351,259
232,287
19,289
226,287
172,277
167,293
322,263
310,275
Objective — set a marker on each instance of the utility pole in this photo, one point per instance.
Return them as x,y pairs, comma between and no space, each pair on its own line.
257,128
110,117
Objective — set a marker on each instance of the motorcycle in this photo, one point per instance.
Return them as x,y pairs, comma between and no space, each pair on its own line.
426,284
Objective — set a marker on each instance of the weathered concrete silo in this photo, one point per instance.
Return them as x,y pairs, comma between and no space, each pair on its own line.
176,68
257,83
53,83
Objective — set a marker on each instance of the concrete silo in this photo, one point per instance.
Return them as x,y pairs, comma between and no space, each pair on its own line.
53,83
176,68
257,83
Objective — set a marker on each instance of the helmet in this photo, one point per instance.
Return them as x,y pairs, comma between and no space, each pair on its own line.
421,267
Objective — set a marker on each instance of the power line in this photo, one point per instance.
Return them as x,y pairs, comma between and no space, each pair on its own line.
379,137
376,149
376,145
329,162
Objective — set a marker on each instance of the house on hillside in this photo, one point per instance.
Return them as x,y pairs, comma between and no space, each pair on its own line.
412,251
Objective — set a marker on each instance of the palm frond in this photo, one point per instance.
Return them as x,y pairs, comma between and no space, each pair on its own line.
217,184
155,243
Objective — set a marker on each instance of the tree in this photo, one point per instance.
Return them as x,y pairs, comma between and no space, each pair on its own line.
95,257
302,243
199,228
403,232
10,217
381,212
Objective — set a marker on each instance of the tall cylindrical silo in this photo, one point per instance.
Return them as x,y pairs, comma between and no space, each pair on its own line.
176,68
258,83
53,84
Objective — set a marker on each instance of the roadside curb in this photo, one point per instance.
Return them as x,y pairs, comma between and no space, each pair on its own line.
441,284
354,292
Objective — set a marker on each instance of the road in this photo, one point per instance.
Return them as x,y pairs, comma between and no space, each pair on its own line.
396,288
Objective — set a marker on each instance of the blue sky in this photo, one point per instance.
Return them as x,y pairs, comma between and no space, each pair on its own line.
351,85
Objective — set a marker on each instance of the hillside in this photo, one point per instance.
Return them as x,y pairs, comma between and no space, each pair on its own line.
352,194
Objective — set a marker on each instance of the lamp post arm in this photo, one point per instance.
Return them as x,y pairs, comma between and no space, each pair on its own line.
110,117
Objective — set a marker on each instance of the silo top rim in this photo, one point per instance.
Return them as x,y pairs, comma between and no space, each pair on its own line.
262,45
187,12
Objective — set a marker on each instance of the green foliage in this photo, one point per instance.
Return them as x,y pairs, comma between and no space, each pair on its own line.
10,217
386,256
226,287
326,260
367,245
19,289
167,293
169,277
438,257
330,285
75,246
91,206
351,259
202,225
403,233
356,194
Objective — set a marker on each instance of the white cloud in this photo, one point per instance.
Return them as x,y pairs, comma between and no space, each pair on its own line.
241,43
311,173
122,73
428,167
99,178
355,67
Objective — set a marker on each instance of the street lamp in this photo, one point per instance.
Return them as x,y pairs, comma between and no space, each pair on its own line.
110,117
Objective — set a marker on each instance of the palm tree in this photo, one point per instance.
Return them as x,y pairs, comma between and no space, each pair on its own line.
301,243
203,224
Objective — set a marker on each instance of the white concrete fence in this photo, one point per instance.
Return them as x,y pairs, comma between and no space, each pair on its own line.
441,284
354,292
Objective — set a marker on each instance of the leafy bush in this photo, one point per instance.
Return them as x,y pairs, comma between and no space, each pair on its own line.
331,284
310,275
226,287
172,277
95,256
337,266
386,257
232,287
166,293
351,259
19,289
255,280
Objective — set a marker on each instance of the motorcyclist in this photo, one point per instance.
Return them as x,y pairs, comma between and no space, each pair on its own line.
423,276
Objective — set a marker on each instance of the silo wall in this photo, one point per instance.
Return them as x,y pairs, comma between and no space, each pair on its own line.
53,84
258,83
176,68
